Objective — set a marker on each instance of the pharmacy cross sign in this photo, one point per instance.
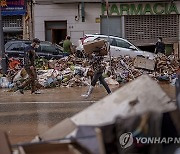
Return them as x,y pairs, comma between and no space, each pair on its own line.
140,9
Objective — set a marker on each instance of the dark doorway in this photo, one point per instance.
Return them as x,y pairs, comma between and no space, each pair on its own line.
58,35
55,31
150,48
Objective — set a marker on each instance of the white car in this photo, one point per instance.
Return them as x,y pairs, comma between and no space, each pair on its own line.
118,46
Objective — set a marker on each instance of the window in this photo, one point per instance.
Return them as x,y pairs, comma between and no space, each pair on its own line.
47,48
7,45
14,47
122,43
112,40
99,38
12,21
149,27
24,45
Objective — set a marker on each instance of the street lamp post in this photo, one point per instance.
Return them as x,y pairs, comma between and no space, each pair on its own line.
2,50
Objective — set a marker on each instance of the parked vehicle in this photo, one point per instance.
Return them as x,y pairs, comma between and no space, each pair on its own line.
47,50
118,46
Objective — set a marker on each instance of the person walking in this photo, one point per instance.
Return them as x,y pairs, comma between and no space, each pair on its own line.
67,45
98,67
160,46
29,65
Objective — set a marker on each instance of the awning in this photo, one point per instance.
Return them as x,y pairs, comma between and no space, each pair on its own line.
11,13
12,29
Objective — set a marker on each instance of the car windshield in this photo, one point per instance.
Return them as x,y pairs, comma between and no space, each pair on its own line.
26,44
16,45
7,45
48,47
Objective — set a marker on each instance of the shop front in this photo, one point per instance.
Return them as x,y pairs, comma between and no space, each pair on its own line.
137,21
12,17
142,23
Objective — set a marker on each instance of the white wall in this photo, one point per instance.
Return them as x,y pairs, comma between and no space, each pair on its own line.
62,12
58,12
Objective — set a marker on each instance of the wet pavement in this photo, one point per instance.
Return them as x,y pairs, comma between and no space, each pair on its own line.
25,116
53,95
23,121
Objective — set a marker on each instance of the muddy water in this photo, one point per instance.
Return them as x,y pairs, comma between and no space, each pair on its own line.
25,116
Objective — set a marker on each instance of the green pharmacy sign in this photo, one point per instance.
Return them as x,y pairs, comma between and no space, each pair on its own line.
141,9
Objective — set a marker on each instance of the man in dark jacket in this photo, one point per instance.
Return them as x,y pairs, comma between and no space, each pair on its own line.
29,65
160,46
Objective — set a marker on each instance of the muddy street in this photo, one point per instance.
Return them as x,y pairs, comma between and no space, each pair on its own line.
53,95
23,121
25,116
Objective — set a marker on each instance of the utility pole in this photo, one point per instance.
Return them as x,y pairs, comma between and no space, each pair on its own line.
109,40
2,49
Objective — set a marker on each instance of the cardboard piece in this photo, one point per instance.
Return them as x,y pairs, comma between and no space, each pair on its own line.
141,62
138,96
91,46
59,131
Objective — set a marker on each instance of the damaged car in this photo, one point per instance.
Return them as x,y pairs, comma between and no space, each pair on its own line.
118,46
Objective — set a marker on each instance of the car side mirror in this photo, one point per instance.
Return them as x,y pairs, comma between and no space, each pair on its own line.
132,47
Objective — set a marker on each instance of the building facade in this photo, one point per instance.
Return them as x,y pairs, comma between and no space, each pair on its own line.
141,22
13,14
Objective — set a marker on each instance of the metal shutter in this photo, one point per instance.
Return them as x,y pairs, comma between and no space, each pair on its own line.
115,26
143,30
12,21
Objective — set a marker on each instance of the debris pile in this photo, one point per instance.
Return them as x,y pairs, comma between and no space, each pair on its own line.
71,71
162,68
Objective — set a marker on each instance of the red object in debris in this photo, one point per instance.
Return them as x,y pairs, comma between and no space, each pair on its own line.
13,63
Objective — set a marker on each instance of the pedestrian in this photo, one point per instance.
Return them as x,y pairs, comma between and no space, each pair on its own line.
29,65
160,46
67,45
98,67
